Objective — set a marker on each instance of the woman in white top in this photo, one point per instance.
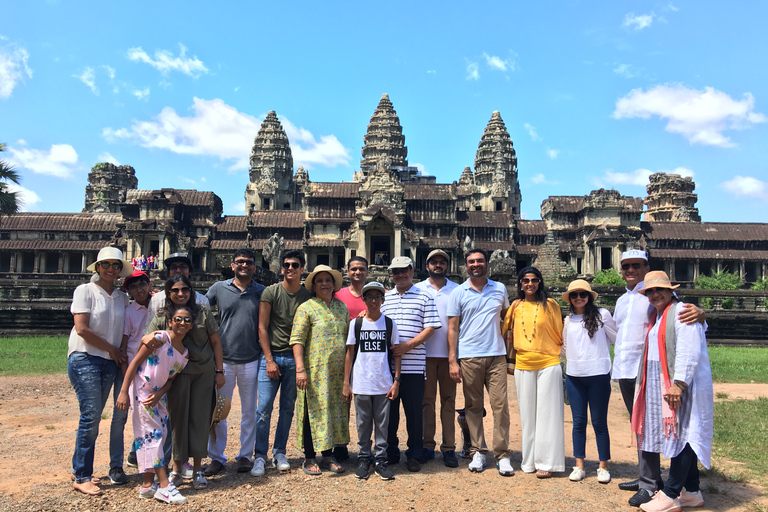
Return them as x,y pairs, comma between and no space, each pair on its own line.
94,355
588,333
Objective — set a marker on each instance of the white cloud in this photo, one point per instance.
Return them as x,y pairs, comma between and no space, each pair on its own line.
187,180
110,71
638,22
142,94
165,62
746,186
532,132
473,71
13,68
626,70
700,116
217,129
28,198
673,8
237,208
497,63
431,71
107,157
88,77
540,179
59,161
552,153
639,177
203,179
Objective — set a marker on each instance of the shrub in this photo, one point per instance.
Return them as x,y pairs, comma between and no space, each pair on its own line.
707,302
727,303
723,280
760,284
608,277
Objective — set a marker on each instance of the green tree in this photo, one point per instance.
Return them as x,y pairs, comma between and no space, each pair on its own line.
722,280
760,284
10,202
608,277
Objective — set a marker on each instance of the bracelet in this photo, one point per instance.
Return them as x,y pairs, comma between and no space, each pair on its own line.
219,372
301,371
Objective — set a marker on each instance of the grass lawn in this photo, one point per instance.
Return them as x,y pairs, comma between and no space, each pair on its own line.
34,355
741,433
739,364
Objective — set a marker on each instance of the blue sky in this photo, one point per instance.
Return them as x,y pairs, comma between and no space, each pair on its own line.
594,94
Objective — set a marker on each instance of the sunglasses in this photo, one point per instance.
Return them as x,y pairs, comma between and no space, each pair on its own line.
373,298
534,280
580,295
182,319
291,264
633,266
115,266
651,291
178,268
397,271
243,263
186,289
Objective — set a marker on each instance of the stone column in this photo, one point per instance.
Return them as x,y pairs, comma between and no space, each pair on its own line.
161,251
13,262
348,254
719,265
398,243
696,269
36,264
362,244
413,255
671,272
84,264
598,258
61,263
742,268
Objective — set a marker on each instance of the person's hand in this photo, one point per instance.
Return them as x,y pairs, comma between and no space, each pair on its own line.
220,380
455,371
273,372
122,401
690,314
347,392
510,369
117,356
401,348
394,390
149,341
362,313
152,399
301,380
673,396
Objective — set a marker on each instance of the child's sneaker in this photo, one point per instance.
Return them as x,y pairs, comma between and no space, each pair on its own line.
148,492
383,471
170,494
187,471
363,466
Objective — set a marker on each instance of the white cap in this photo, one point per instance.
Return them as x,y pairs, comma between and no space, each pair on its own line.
634,254
401,262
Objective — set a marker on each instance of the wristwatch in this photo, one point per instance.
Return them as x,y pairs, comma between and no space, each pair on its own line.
397,379
219,372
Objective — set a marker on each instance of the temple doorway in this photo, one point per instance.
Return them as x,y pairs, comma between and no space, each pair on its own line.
380,250
381,238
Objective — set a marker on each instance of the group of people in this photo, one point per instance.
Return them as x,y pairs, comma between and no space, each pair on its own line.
144,263
323,347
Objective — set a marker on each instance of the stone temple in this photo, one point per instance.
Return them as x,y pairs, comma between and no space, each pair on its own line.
387,209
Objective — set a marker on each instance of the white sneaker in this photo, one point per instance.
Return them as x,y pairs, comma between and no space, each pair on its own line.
258,467
187,471
170,494
505,467
478,463
577,475
280,462
603,476
175,478
148,493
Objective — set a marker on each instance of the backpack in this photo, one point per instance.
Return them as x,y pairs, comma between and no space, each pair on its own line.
390,356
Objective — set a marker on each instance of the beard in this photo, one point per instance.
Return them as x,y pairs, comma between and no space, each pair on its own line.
436,275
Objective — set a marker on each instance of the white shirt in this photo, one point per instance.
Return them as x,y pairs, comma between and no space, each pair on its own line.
371,374
107,313
632,319
437,344
134,327
587,356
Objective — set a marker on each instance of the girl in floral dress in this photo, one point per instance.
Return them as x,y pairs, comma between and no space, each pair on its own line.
154,371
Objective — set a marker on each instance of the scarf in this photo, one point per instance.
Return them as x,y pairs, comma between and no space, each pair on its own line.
667,360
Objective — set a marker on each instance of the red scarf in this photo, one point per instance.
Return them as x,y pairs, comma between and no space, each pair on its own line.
638,408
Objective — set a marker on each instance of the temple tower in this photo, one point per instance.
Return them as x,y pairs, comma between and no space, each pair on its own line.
671,199
107,187
271,175
496,169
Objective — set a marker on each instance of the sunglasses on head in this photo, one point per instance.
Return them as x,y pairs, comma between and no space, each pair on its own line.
581,295
533,280
115,266
291,264
185,289
182,319
633,266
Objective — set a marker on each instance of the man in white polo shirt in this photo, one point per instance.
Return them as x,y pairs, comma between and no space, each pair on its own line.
440,288
415,314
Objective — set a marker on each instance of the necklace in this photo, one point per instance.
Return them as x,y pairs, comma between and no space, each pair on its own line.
522,320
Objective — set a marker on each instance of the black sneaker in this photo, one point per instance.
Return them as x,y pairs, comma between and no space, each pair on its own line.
383,471
363,465
131,461
117,476
450,460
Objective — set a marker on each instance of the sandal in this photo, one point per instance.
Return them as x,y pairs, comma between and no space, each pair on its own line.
307,466
200,481
543,474
331,464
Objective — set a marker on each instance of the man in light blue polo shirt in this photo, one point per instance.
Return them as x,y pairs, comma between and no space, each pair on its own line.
477,356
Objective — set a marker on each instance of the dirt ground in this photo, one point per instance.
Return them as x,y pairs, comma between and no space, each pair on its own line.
39,415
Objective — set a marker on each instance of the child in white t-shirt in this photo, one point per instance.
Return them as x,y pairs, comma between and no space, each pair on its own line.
374,373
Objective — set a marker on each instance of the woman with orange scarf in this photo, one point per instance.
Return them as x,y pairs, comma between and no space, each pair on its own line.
672,412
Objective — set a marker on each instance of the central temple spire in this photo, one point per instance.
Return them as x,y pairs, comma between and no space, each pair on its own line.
384,139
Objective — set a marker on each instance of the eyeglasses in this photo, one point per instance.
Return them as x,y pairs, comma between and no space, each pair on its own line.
135,286
243,263
182,319
115,266
396,271
581,295
181,267
633,266
533,280
291,264
185,289
373,298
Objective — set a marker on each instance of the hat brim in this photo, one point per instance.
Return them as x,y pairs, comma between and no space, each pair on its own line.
337,279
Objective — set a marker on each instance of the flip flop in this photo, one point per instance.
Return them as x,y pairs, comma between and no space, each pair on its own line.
331,464
88,488
306,465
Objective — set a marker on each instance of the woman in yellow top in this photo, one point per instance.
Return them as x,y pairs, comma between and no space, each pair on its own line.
537,325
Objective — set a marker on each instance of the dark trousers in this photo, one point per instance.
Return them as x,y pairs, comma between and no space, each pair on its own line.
412,397
649,463
309,448
683,472
593,391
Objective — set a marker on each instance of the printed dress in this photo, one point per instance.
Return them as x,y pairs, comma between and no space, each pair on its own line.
322,330
150,424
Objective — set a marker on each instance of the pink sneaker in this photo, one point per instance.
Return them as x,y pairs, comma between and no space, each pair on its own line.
688,500
661,503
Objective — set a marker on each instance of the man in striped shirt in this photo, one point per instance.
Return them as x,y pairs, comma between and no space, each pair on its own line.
415,314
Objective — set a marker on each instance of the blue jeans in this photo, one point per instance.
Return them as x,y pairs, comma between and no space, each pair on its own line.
286,383
593,391
92,377
117,427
